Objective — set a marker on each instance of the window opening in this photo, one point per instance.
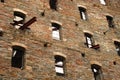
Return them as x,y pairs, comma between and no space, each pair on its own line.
53,4
82,13
96,69
103,2
2,1
59,65
90,42
18,53
56,31
19,19
117,45
110,21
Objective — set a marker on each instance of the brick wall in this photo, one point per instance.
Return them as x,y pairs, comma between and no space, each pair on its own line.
39,59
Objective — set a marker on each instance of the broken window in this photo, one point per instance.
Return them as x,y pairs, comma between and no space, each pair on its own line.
110,21
89,40
18,53
103,2
59,65
53,4
96,69
19,19
56,31
2,1
82,13
117,45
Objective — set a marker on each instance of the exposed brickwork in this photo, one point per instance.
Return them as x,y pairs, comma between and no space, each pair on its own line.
41,48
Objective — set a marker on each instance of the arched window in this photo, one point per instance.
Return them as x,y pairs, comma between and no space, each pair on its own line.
89,40
117,45
110,21
56,31
96,69
83,13
60,65
53,4
18,53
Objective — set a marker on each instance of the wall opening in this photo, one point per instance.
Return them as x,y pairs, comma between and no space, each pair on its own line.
103,2
19,19
117,45
83,13
96,69
2,1
59,65
53,4
56,31
89,40
18,54
110,21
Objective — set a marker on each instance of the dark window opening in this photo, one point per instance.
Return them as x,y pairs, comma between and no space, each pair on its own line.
56,31
117,45
53,4
2,1
1,32
96,69
110,21
60,65
18,57
83,13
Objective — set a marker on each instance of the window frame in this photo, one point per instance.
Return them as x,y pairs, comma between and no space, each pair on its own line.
83,13
59,65
18,57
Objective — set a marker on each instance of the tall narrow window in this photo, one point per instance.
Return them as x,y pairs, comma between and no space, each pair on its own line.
2,1
103,2
19,19
18,57
56,31
89,40
96,69
59,65
82,13
110,21
53,4
117,45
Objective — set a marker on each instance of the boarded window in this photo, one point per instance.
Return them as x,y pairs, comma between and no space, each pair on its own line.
82,13
59,65
117,45
18,53
110,21
96,69
53,4
56,31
